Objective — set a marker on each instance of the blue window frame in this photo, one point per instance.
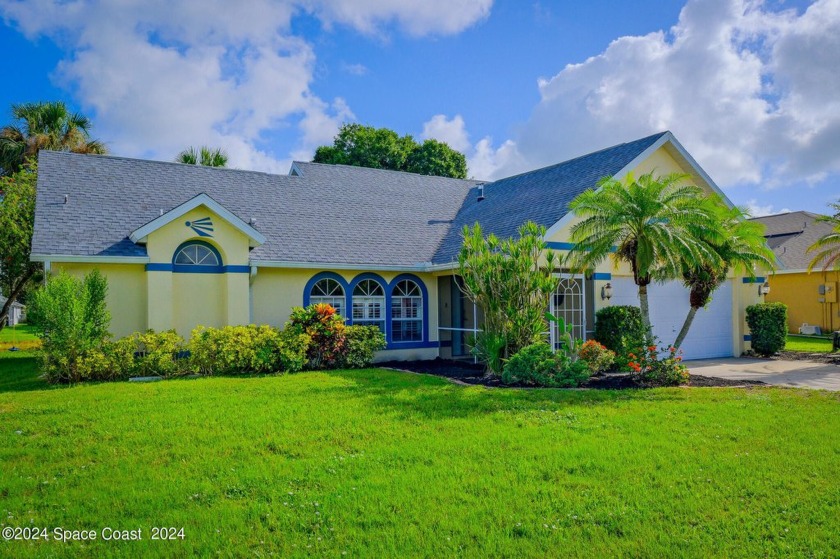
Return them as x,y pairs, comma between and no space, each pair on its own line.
197,257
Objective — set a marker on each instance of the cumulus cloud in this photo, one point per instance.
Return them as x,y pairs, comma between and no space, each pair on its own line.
750,92
159,76
755,209
483,159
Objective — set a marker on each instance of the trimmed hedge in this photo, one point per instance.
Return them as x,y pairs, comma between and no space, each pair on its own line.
620,329
768,327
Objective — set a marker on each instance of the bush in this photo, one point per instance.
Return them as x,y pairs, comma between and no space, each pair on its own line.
650,369
619,328
768,327
538,365
326,330
243,349
362,343
597,357
159,353
292,351
73,321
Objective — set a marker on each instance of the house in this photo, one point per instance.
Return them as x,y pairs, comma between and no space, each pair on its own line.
16,312
183,245
811,298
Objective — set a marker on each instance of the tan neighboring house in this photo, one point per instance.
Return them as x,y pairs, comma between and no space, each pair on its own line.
811,298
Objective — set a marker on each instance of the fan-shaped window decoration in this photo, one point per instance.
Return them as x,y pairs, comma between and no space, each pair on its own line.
407,312
328,291
197,257
369,304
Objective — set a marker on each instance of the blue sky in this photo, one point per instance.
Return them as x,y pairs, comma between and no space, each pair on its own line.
748,87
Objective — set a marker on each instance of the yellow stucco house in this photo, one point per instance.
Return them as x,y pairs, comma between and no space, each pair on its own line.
811,298
183,245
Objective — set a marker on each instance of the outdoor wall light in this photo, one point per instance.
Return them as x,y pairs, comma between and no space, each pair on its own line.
606,292
764,288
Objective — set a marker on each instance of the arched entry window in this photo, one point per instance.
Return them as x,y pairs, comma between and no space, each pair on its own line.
197,256
407,312
369,303
329,291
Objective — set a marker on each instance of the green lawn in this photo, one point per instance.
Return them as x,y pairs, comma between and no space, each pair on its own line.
22,335
376,463
808,344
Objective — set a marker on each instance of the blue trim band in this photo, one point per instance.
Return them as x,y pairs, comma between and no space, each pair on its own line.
602,276
154,267
747,338
752,280
186,269
554,245
412,345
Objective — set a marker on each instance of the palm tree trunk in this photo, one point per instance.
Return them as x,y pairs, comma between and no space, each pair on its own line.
686,325
645,309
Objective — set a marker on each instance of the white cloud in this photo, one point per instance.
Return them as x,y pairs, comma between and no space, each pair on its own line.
452,132
752,94
757,210
158,76
355,69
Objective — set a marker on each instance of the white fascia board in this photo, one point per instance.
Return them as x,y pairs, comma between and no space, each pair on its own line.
140,235
698,169
72,258
337,266
802,271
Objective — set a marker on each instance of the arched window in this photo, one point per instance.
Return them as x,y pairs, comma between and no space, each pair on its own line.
328,291
406,312
369,303
197,256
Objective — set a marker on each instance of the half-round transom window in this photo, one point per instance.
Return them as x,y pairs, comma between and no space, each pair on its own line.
328,291
195,254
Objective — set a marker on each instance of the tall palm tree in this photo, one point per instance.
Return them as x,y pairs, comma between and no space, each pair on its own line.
44,125
741,247
827,248
209,157
654,224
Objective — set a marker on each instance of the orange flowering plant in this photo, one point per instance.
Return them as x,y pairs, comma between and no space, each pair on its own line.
658,366
596,355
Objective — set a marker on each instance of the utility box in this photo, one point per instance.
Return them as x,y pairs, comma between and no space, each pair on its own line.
828,292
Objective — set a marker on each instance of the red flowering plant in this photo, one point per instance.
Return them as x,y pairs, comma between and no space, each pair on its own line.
597,357
326,329
657,366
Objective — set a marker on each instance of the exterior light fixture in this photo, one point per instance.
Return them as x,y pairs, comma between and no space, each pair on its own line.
764,288
606,292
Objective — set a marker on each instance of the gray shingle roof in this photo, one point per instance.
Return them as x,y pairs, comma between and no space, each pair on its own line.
330,214
790,234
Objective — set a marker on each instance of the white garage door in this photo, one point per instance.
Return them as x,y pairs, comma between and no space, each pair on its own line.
711,332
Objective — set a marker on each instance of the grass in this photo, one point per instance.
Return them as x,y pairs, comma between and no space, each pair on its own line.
376,463
808,344
21,336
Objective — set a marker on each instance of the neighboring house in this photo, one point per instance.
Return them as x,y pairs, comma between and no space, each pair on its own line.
183,245
811,298
16,312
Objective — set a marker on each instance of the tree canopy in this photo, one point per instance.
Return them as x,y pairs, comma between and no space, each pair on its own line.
44,125
382,148
206,156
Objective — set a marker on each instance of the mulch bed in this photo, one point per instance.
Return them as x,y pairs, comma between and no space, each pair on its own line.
471,373
829,358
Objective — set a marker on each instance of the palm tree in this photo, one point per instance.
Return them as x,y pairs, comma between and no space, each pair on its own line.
828,247
741,247
209,157
655,224
45,125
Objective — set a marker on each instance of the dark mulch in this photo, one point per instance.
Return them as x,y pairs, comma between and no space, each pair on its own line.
830,358
471,373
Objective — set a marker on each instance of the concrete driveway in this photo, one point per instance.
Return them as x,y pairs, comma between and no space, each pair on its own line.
801,374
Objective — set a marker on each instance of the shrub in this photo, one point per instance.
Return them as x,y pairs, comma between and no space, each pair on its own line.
292,351
73,321
242,349
160,353
620,329
362,343
511,280
326,330
648,368
596,356
768,327
538,365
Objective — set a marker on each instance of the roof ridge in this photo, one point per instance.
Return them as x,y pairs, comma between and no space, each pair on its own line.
173,163
359,167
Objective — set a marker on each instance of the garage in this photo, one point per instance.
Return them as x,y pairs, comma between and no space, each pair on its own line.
710,334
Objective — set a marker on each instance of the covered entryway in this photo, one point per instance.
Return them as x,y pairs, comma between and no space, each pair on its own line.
711,332
571,303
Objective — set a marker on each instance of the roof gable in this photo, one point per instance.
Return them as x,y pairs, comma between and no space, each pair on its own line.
790,235
255,238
